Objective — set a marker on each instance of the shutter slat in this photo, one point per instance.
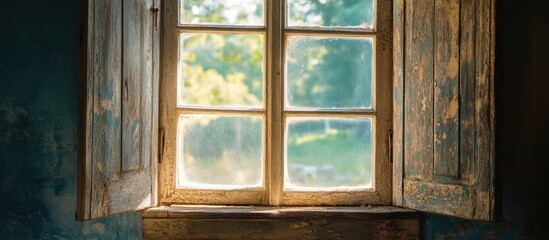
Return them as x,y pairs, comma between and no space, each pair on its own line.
467,92
446,91
418,132
106,140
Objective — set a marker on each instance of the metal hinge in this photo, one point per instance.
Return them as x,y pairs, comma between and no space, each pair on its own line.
155,11
161,143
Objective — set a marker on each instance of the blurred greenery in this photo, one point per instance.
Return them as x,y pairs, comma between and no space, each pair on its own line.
222,69
221,150
352,13
329,153
228,70
329,72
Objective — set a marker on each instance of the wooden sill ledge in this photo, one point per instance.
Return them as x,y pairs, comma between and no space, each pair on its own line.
256,222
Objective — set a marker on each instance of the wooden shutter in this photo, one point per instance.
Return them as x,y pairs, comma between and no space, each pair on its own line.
118,148
444,107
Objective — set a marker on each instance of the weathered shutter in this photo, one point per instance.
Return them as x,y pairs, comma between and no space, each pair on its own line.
444,107
120,107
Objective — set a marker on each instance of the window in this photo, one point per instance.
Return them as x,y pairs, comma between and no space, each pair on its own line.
276,102
420,108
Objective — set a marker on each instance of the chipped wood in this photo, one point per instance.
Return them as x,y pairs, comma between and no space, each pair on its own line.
104,79
447,199
280,229
418,107
227,222
467,92
483,115
448,107
116,167
446,91
398,99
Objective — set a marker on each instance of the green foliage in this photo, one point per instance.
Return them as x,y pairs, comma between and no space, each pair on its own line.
222,69
340,150
329,72
228,70
331,12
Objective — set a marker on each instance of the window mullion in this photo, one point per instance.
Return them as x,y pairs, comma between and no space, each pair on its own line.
274,136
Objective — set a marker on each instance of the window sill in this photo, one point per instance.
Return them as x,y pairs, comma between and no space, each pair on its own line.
243,222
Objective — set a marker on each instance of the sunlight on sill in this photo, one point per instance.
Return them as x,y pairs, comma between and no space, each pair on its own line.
283,212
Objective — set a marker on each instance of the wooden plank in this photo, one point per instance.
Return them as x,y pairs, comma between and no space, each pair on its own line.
448,199
383,104
132,191
275,89
264,212
137,83
418,110
107,101
168,103
467,80
483,115
280,229
147,80
398,99
446,91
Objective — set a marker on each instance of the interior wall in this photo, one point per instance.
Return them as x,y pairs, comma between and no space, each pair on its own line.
522,122
39,47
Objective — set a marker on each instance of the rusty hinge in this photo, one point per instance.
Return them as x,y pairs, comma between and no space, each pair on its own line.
161,141
155,11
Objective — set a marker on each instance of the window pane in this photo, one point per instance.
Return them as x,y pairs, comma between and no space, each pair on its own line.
331,153
241,12
329,72
218,152
331,13
221,70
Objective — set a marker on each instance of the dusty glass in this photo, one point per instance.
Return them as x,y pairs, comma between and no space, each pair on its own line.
222,70
219,152
225,12
329,72
331,13
329,153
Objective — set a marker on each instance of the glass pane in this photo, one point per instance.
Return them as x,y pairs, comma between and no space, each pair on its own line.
223,70
329,72
241,12
219,152
331,13
330,153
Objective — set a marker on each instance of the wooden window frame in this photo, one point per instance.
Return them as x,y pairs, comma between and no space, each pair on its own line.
275,32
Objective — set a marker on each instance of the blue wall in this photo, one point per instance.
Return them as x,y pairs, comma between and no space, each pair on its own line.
39,47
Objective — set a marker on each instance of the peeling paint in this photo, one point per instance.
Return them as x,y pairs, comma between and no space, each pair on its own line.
452,109
106,105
